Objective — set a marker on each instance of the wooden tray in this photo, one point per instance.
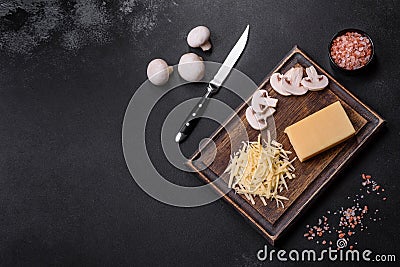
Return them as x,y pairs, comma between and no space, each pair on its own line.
312,175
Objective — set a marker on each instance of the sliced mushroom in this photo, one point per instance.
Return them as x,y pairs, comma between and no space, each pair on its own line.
276,81
264,115
158,71
291,81
191,67
199,37
313,81
271,102
257,124
261,101
258,101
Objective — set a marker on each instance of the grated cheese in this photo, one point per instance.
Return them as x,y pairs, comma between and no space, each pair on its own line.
260,169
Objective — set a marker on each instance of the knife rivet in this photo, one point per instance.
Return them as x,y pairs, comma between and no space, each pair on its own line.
200,105
187,124
193,114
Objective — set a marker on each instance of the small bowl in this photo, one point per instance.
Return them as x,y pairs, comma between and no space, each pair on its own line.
337,67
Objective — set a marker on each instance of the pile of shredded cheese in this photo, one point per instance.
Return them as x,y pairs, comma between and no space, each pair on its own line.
260,169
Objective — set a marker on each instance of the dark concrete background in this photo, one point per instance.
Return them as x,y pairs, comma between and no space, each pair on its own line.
69,68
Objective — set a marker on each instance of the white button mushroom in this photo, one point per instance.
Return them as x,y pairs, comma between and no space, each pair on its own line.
191,67
158,71
276,81
291,81
261,101
267,113
255,123
261,108
199,37
313,81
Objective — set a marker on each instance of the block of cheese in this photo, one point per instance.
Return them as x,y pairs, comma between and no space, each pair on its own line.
320,131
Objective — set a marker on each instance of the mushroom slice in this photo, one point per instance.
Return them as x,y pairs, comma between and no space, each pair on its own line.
271,102
259,102
276,84
291,81
313,81
263,116
257,124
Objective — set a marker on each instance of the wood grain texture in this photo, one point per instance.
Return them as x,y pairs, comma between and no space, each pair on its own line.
311,175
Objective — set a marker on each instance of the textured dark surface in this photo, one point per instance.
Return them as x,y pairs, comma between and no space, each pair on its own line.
67,73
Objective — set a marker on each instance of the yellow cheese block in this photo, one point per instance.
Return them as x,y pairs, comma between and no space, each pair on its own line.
320,131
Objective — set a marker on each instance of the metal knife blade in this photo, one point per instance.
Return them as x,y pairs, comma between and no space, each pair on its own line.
231,59
223,72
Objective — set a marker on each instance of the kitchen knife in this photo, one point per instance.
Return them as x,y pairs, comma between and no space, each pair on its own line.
213,87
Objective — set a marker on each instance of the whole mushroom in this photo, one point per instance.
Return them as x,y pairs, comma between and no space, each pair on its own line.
191,67
158,71
199,37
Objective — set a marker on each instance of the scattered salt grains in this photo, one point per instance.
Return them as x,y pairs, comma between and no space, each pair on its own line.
349,219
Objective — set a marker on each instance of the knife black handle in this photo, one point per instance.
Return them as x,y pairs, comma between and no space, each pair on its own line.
194,116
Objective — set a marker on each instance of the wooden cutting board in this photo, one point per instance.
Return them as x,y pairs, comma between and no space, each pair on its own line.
312,175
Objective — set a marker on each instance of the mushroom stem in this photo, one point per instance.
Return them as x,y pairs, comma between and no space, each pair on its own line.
206,46
170,69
